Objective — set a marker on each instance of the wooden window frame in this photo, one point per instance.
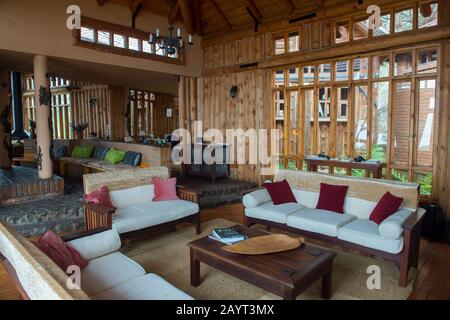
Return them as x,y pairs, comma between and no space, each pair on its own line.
127,32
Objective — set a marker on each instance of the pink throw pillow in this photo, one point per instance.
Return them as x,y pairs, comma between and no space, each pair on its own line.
60,252
101,197
165,189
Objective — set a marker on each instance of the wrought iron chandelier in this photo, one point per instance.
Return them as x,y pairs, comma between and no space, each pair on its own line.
170,44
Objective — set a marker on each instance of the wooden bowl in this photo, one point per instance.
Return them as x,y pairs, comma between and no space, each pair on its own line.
265,244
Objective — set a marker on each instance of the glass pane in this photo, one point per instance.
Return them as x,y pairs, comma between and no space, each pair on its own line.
427,61
324,105
403,64
87,34
427,101
279,105
361,117
308,104
293,76
399,175
401,123
293,42
104,37
308,75
279,78
380,111
428,15
360,29
360,68
404,20
385,27
279,117
342,32
279,45
146,47
119,41
292,164
341,70
342,128
293,101
133,44
325,72
425,179
380,66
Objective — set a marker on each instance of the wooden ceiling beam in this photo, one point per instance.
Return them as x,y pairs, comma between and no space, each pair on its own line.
251,6
290,7
222,15
187,16
100,3
198,18
135,8
320,3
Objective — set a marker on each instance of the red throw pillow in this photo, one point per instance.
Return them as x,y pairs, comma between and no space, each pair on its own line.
280,192
60,252
332,197
387,206
165,189
101,197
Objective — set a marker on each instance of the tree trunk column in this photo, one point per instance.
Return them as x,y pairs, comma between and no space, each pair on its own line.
43,119
5,122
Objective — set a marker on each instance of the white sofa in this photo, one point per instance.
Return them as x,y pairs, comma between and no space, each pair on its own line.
351,228
109,275
131,192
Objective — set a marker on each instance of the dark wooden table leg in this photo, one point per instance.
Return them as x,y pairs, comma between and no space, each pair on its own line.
288,295
327,286
195,270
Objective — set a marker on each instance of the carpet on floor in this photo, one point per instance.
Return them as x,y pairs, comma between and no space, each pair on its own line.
168,256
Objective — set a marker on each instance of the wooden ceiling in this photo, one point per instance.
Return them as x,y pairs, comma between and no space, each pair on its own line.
215,17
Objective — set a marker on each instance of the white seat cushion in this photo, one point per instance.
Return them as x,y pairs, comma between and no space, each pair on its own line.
109,271
148,287
320,221
151,213
365,232
276,213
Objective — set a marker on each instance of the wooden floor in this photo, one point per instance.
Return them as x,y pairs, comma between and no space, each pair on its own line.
432,281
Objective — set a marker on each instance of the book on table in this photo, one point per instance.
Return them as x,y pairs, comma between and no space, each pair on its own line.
227,235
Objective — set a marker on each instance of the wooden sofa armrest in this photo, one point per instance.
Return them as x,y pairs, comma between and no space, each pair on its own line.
188,194
414,220
82,234
97,216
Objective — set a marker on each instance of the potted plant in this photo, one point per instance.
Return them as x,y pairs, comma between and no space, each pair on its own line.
79,128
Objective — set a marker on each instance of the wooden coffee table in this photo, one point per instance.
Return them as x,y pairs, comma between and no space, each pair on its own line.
286,274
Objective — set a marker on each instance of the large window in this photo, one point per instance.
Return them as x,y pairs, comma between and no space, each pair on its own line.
379,106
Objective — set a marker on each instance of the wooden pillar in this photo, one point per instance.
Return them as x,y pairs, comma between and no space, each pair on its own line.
5,122
43,116
117,112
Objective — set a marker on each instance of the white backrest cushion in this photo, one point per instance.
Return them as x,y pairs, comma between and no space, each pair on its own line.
256,198
354,206
358,207
307,198
128,197
97,245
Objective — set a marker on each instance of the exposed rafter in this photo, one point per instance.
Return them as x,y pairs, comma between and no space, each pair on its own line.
253,11
289,6
222,15
198,17
100,3
187,16
135,8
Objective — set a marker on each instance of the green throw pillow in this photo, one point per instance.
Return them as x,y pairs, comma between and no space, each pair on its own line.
82,151
115,156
